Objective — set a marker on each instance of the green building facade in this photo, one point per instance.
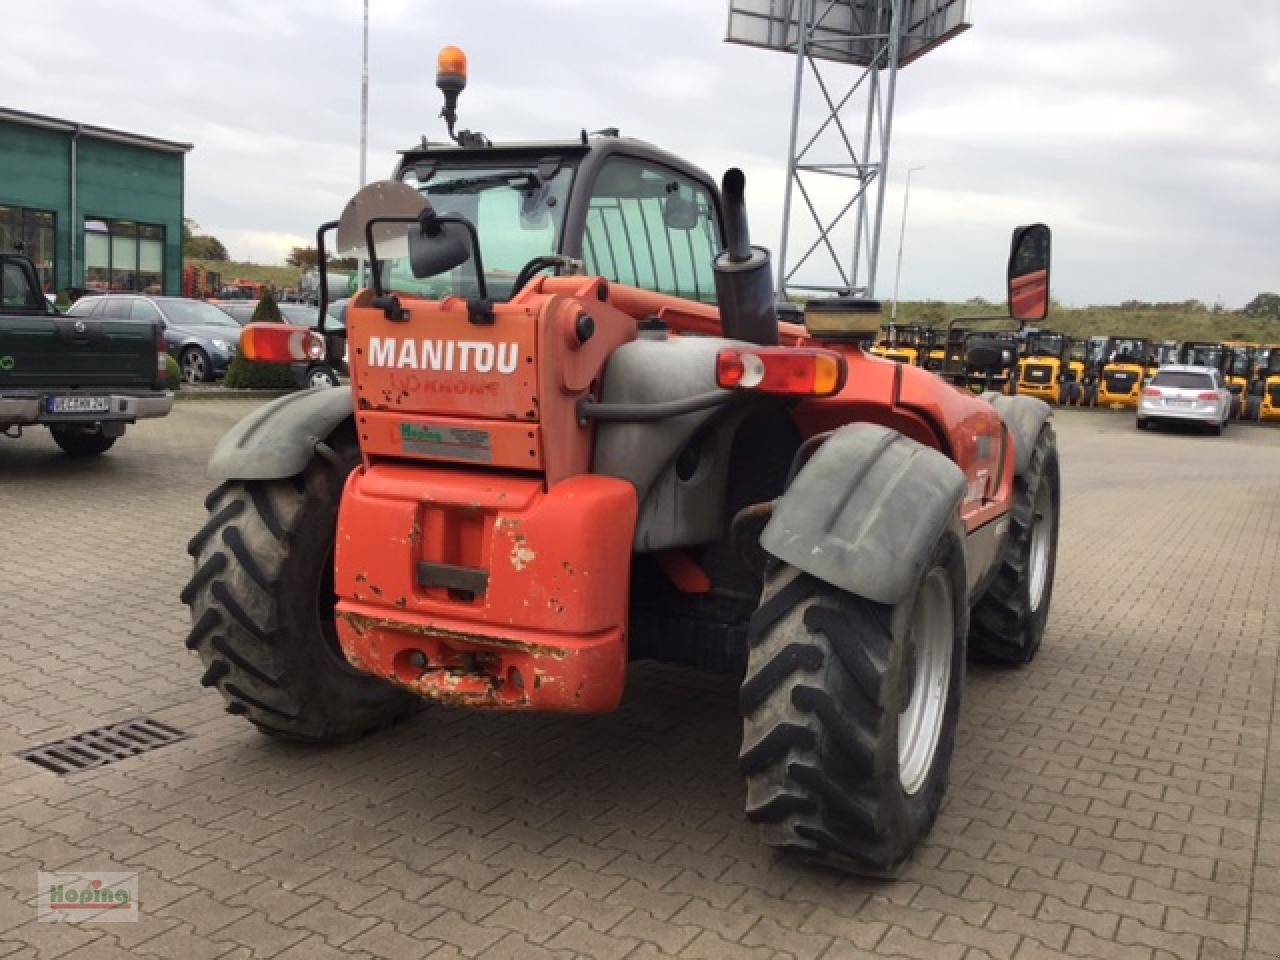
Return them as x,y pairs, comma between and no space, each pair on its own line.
96,209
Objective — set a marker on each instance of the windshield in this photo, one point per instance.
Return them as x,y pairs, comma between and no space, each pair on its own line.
194,313
1201,355
517,216
1128,351
1046,344
1183,380
299,314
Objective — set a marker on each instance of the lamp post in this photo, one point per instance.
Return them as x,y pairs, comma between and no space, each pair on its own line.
364,121
902,235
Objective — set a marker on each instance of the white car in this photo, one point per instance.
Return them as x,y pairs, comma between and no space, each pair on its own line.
1184,393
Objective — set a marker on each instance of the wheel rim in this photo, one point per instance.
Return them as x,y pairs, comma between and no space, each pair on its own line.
930,644
1041,534
193,366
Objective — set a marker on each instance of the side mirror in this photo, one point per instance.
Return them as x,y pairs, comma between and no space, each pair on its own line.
679,213
1028,275
438,249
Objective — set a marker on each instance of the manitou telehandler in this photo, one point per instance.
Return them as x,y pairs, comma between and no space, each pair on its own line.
534,479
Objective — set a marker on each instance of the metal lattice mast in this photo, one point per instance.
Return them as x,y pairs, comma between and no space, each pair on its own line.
831,235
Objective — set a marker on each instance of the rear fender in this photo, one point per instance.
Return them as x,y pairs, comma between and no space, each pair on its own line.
279,439
866,511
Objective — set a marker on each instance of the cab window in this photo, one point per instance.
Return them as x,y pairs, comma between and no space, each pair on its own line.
649,227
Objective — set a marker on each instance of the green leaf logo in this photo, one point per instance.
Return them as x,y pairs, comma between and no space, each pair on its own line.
7,363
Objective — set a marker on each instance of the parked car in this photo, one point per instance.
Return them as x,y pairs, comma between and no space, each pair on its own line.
241,311
1187,394
198,335
85,378
320,373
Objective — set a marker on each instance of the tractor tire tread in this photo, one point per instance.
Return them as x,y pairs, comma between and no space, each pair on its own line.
255,652
1002,624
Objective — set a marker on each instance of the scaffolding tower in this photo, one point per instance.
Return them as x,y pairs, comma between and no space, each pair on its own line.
835,164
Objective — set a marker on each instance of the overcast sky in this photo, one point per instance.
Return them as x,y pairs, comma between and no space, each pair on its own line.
1146,132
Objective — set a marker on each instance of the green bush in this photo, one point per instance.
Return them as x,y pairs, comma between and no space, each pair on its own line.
267,310
256,375
172,379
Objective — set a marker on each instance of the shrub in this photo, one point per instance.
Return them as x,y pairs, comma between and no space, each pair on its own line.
256,375
267,310
172,379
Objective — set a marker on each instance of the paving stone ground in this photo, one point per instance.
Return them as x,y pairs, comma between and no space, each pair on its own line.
1118,798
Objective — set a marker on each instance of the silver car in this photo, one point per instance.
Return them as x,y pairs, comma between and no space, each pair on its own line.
1180,392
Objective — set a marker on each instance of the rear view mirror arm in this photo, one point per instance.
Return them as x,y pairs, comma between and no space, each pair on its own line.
429,223
322,266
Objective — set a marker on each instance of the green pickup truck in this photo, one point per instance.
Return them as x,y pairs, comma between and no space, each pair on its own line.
85,380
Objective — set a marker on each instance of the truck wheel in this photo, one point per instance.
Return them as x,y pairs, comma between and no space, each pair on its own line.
195,365
1009,620
1251,408
849,714
81,441
262,605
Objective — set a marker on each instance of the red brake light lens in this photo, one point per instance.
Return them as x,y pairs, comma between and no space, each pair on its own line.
1152,392
787,371
1209,395
281,343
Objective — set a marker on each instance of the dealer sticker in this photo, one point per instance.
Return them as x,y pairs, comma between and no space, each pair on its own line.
449,442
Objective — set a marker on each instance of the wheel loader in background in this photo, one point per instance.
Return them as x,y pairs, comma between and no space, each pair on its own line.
536,478
1267,388
908,343
1124,372
1242,368
1045,370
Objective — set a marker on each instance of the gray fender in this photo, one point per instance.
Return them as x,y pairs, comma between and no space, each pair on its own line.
866,511
1024,416
279,439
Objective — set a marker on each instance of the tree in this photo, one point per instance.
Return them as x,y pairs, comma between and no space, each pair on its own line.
304,257
307,258
197,246
1266,305
267,310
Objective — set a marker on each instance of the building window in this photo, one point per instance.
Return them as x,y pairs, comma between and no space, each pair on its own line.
121,255
31,232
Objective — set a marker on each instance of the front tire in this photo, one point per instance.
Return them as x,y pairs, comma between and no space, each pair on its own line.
1009,620
81,441
849,714
195,365
262,608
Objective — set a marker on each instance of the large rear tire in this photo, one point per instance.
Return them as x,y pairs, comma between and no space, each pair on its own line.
849,714
262,607
1009,620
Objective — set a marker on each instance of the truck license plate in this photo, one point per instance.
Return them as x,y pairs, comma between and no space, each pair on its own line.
79,404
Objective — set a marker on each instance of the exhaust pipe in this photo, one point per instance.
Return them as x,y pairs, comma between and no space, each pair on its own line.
744,277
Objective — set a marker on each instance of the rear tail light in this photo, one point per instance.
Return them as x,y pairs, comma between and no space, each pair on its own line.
788,371
162,357
1152,392
1209,396
281,343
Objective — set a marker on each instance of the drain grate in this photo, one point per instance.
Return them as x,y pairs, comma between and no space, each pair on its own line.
102,745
